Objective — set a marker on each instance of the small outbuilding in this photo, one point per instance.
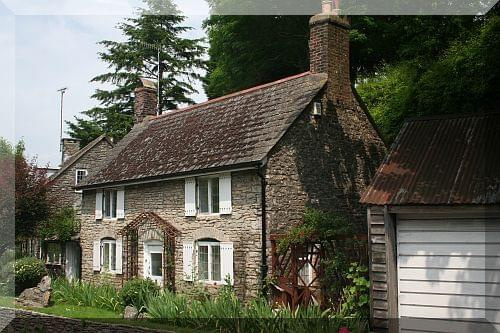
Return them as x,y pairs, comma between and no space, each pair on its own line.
434,227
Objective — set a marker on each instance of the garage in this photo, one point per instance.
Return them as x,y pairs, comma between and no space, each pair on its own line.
434,228
449,268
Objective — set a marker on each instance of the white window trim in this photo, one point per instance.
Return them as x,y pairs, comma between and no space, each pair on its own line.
209,244
76,178
112,201
110,242
210,208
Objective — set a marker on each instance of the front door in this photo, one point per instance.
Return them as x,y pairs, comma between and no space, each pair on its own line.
153,261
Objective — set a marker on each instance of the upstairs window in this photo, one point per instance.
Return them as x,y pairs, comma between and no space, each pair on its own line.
208,195
109,203
80,175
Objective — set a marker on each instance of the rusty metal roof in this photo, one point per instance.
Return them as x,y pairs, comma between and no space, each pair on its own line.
236,129
441,161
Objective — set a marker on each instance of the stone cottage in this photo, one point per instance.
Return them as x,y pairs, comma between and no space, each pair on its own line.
194,194
76,165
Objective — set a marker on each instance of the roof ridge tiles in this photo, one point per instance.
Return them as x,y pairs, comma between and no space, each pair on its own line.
231,95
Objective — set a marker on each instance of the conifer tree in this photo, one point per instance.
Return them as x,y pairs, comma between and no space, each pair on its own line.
137,58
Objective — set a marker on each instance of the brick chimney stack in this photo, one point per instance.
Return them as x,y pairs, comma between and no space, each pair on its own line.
329,51
69,147
145,103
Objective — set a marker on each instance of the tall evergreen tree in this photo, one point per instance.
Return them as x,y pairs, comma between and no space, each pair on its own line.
137,58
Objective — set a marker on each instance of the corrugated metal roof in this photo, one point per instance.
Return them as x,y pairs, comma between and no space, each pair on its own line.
441,161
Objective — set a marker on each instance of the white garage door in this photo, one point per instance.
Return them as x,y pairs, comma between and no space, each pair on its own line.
449,269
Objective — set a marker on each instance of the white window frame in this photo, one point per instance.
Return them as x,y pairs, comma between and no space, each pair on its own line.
76,177
210,179
113,203
209,244
111,242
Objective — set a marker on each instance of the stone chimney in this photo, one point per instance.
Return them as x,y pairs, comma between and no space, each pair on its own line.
69,147
329,51
145,103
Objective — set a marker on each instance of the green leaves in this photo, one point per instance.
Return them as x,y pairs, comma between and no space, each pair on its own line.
62,225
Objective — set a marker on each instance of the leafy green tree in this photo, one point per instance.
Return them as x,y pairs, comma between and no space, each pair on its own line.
250,50
463,79
136,58
32,203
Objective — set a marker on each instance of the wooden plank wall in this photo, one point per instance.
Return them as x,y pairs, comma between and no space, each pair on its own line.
377,269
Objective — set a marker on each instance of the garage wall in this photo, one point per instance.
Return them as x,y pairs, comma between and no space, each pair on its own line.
378,268
384,272
449,267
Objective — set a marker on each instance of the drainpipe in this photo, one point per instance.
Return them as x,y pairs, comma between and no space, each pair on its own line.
263,265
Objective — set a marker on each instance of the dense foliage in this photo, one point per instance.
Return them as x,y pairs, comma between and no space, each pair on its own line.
32,202
226,313
135,58
343,251
62,224
356,295
103,295
135,291
28,272
404,66
463,78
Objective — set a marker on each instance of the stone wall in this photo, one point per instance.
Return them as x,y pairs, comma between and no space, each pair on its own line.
28,321
326,161
166,198
62,191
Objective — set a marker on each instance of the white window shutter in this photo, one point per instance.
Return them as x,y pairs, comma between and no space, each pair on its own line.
96,263
98,204
119,256
225,206
226,258
190,197
120,204
187,261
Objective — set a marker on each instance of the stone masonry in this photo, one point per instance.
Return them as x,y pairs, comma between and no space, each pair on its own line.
62,190
166,198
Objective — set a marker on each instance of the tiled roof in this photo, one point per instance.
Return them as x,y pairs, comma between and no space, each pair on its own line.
236,129
79,154
441,161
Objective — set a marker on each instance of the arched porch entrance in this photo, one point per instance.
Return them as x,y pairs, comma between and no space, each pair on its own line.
165,233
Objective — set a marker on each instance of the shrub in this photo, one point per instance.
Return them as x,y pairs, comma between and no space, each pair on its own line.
135,291
28,273
103,296
355,297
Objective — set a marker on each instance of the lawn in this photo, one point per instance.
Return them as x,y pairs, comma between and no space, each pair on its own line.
106,316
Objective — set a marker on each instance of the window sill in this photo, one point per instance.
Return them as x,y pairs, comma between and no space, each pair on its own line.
207,217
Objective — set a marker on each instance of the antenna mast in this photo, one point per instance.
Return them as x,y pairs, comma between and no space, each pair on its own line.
62,91
159,75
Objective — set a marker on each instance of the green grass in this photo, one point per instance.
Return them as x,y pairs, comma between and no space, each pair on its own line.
78,312
7,302
104,316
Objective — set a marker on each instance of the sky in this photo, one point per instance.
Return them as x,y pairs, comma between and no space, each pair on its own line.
46,48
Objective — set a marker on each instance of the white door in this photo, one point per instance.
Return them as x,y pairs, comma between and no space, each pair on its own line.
449,269
153,261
